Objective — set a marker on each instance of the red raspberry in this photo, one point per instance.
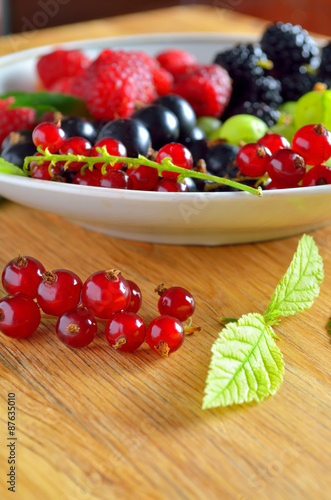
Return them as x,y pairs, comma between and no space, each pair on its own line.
111,96
207,88
14,119
163,81
176,61
61,64
71,85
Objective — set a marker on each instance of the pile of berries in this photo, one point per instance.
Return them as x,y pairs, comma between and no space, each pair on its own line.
117,80
286,166
105,295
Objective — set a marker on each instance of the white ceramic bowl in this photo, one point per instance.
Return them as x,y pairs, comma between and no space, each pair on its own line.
174,218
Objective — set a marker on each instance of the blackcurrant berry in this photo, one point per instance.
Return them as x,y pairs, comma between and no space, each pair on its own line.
16,154
79,127
182,109
161,123
133,134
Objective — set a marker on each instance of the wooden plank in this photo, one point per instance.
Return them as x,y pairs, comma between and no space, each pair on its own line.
95,424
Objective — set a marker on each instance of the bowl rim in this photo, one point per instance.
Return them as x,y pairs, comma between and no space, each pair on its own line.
148,38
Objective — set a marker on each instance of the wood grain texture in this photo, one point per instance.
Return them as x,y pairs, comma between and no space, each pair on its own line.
95,424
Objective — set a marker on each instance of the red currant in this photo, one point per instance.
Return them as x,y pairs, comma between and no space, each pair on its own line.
179,156
143,178
170,186
317,176
88,178
76,146
165,335
286,168
114,148
313,143
251,159
22,274
274,142
77,327
116,179
59,291
105,293
19,316
175,301
125,331
48,135
41,170
135,297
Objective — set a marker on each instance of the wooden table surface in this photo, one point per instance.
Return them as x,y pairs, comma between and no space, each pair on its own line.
94,424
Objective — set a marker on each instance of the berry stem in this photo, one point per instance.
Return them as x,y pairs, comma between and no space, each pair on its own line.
108,159
224,321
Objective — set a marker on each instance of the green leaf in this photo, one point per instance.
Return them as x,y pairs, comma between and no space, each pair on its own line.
9,168
300,285
246,364
49,101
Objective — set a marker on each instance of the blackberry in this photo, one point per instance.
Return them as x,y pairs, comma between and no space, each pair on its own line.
297,84
325,67
289,47
243,62
266,89
269,115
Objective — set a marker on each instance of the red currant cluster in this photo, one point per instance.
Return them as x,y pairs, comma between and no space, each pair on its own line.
51,136
105,295
286,167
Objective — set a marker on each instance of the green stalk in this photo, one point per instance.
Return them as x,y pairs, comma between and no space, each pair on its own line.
107,159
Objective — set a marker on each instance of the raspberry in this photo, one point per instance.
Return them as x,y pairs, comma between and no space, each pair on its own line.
115,81
207,88
111,96
163,81
71,85
14,119
60,64
176,61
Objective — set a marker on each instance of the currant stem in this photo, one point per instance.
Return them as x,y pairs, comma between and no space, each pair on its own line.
224,321
108,159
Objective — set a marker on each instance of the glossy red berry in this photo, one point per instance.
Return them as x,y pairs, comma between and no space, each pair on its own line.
317,176
165,335
175,301
76,146
48,135
143,178
116,179
23,275
77,327
42,172
135,297
105,293
179,156
251,159
59,291
88,178
19,316
114,148
286,168
313,143
170,185
274,142
125,331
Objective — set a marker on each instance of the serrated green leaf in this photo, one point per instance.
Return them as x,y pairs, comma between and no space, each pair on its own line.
300,285
9,168
246,364
48,101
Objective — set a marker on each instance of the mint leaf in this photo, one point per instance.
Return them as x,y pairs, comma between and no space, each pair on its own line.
300,285
48,101
9,168
246,364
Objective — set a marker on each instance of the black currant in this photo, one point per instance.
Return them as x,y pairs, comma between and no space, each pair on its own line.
182,109
161,123
16,154
17,137
220,160
132,133
78,127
